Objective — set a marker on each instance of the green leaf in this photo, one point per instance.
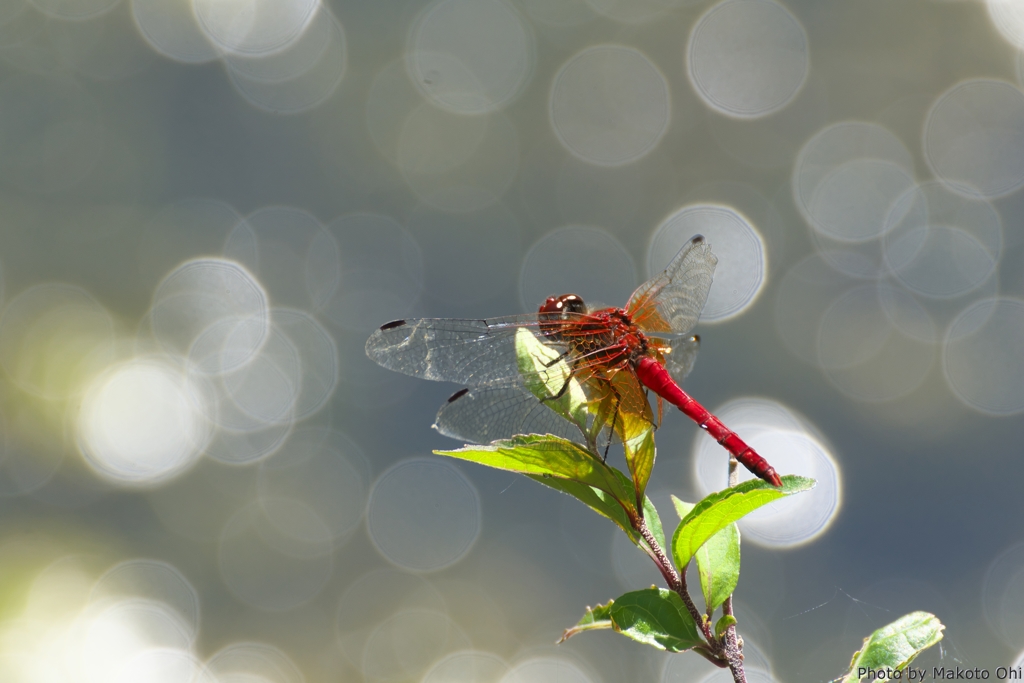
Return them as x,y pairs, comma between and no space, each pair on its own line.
896,645
724,623
718,510
547,455
718,564
654,523
656,617
682,507
594,619
718,560
545,375
598,501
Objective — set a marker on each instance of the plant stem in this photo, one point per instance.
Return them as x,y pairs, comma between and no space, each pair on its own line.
724,652
733,650
708,654
658,554
676,581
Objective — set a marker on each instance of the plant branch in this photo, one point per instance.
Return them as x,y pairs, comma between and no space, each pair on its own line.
708,654
733,649
726,651
676,582
657,554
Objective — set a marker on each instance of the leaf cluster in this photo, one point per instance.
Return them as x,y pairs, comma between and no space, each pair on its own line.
666,619
707,533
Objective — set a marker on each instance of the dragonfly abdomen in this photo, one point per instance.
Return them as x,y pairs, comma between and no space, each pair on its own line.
746,455
654,376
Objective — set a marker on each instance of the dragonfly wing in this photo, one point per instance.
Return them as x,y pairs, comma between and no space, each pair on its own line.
680,360
672,302
485,414
471,352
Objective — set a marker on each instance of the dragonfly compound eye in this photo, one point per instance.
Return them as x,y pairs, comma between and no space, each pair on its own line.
558,309
557,306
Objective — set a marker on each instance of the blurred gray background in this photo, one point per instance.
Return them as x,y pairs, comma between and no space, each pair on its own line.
206,207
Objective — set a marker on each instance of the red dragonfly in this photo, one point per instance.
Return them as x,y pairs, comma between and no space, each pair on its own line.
612,354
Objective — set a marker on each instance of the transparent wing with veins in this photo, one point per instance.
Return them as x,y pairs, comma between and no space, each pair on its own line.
472,352
498,402
672,302
679,361
485,414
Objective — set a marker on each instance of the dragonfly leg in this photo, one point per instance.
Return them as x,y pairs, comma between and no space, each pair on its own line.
558,359
561,392
617,399
611,433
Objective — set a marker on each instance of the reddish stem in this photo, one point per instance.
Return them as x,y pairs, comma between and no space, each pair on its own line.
676,581
723,652
733,650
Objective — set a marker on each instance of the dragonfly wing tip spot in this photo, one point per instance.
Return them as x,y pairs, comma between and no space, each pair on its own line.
457,395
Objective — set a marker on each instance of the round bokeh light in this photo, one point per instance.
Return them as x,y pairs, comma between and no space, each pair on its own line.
789,443
747,58
470,56
610,105
143,422
423,515
741,269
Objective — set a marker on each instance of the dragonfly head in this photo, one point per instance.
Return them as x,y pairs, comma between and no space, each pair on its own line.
558,306
557,310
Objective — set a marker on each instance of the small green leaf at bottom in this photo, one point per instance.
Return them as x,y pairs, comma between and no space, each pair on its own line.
654,616
722,624
594,619
895,646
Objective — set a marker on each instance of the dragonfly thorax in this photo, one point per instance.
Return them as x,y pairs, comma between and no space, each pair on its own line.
623,334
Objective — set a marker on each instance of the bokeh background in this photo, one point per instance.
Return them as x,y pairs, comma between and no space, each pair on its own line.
206,206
